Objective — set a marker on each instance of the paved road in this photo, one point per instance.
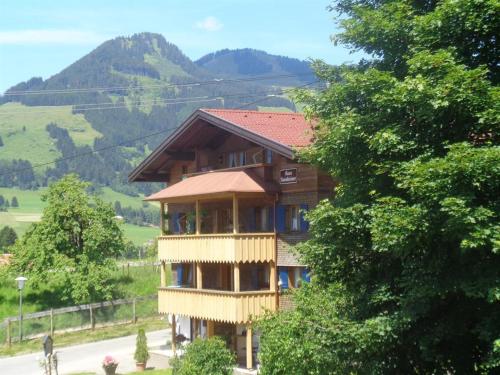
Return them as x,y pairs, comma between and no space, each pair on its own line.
88,357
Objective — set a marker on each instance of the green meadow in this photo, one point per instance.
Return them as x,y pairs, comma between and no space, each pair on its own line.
31,207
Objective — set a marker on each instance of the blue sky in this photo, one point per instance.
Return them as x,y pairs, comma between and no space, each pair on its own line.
39,38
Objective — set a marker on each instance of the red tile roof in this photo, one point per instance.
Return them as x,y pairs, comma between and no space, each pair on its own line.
290,129
243,181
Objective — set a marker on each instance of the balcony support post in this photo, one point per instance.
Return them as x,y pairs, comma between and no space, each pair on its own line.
163,275
198,217
199,276
236,277
272,276
210,328
236,224
162,218
174,334
249,347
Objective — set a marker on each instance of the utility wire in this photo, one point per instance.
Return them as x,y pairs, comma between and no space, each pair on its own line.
215,81
128,140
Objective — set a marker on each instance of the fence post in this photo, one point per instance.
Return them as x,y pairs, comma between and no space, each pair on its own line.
52,322
128,269
9,336
92,324
134,315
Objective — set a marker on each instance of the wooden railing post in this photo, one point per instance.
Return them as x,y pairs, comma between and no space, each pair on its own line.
249,347
134,315
52,322
9,333
92,324
236,277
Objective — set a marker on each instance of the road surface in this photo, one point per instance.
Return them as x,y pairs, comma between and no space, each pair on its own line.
88,357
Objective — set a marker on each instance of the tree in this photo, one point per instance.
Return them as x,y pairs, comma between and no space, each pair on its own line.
141,347
14,202
74,245
406,257
205,356
8,237
2,201
1,141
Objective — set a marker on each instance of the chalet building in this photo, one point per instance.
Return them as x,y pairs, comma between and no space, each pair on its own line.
232,209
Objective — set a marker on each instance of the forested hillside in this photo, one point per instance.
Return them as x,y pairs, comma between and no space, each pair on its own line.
126,89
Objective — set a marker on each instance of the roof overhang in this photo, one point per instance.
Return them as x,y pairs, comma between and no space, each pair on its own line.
216,184
140,172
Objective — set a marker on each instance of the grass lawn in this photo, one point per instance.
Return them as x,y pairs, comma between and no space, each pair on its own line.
31,206
82,337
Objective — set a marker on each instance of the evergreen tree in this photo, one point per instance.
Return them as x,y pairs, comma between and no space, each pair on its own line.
2,201
1,141
14,202
8,237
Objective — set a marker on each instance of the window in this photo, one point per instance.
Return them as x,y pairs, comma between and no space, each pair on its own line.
268,156
243,158
231,159
292,218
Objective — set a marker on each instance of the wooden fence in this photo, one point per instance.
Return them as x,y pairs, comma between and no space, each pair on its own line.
89,309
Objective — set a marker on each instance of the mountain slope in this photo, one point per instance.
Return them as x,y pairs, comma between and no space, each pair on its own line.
251,62
137,77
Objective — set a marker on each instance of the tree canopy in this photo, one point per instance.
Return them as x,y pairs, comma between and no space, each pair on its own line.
8,237
406,256
73,246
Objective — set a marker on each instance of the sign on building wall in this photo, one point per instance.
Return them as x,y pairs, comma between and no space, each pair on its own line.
288,176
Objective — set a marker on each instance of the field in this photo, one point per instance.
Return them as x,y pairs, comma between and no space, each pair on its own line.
31,206
23,132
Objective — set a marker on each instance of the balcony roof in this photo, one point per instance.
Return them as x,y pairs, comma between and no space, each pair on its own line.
215,184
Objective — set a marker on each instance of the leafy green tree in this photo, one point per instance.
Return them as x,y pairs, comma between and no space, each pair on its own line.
14,202
205,356
8,237
74,245
406,257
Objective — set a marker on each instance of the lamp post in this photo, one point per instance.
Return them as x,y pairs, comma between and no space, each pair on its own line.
20,285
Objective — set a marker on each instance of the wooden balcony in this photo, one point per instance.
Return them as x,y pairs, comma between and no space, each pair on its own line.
222,306
222,248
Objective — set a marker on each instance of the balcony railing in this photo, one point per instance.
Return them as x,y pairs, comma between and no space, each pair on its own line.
227,248
222,306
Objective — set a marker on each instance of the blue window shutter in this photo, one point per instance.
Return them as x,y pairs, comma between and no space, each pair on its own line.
175,219
270,224
283,272
304,224
305,275
179,274
280,218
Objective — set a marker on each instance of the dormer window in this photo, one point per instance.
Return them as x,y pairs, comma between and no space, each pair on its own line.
231,160
243,158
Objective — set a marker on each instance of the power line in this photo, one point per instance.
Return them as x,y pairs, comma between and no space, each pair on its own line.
122,88
145,103
129,140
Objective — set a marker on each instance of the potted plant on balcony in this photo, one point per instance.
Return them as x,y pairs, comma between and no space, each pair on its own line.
109,364
141,355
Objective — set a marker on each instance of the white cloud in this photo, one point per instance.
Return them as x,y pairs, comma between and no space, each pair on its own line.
49,36
209,24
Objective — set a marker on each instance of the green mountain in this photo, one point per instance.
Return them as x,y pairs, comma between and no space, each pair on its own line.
251,62
144,88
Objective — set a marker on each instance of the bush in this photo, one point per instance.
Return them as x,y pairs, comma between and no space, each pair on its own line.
141,347
208,356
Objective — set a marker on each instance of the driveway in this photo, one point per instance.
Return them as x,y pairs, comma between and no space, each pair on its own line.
88,357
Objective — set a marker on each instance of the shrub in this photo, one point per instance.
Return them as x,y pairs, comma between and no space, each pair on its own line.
141,347
202,356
